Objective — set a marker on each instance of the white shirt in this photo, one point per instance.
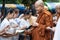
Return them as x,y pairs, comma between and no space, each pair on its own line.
57,31
17,20
12,23
24,22
4,24
55,19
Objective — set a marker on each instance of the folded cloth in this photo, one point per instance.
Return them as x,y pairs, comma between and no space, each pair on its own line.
19,31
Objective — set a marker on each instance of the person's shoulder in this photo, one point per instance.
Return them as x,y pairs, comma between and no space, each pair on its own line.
33,17
5,21
21,19
11,20
47,12
17,19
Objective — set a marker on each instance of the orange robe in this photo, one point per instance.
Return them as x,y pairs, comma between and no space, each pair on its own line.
40,32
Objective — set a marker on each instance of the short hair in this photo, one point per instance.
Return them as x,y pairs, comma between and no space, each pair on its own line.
27,12
10,11
39,2
16,10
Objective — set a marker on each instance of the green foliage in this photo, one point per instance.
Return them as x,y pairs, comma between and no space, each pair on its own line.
0,1
10,1
28,2
51,0
19,1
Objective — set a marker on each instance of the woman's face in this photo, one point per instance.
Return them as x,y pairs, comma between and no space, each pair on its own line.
26,16
10,15
16,15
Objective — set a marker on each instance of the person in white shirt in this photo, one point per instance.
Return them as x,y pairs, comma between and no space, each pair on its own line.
5,26
16,22
27,21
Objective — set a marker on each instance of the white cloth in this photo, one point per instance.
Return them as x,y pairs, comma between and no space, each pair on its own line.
15,22
4,24
55,19
12,23
57,31
24,22
3,38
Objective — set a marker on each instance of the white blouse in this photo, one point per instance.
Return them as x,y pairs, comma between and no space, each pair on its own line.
4,24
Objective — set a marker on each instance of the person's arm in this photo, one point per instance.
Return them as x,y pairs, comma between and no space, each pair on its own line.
52,29
4,34
4,27
22,25
35,24
49,21
21,28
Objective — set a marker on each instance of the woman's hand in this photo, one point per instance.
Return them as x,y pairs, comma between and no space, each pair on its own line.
23,28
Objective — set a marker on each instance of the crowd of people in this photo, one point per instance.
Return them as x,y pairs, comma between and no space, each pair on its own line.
42,25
